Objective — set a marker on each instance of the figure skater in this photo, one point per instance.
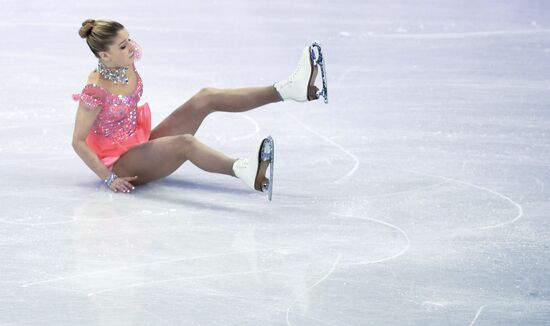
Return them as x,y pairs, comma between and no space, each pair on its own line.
113,135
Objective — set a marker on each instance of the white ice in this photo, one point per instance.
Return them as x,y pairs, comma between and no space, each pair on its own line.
419,196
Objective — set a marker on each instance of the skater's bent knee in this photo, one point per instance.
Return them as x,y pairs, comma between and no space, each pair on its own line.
206,91
185,143
205,99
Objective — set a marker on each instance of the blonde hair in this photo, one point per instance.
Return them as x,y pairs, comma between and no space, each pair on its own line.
99,34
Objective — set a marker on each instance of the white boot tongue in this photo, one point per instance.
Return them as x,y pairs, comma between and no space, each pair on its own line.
244,170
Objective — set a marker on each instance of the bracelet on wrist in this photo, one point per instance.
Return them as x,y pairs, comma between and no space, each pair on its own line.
109,181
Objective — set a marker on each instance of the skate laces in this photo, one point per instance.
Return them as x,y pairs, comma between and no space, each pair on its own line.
290,79
242,163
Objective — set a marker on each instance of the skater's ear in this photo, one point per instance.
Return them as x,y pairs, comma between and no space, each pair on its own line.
104,56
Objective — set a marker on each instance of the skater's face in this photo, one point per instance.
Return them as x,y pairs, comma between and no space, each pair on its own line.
121,51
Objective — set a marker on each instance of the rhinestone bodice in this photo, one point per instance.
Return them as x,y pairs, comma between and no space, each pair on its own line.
118,116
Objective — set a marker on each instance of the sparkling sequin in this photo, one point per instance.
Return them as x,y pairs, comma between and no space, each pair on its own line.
117,119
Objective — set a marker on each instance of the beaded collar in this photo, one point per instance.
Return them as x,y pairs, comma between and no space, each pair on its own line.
116,75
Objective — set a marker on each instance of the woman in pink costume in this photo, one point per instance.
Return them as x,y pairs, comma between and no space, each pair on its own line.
113,133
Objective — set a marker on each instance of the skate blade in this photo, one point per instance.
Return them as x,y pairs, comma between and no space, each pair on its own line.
271,167
265,160
320,62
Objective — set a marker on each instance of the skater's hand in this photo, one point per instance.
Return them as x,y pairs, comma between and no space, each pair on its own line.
122,184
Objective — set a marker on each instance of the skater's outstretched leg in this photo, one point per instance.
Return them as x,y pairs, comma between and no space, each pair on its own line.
299,86
242,99
187,118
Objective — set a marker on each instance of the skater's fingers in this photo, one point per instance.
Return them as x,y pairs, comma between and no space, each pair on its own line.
117,188
124,189
126,180
124,186
121,185
129,185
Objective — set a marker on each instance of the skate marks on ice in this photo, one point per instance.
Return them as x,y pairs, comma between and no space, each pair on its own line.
392,226
437,304
338,258
518,216
518,207
176,279
356,165
249,135
477,315
330,141
498,194
336,261
145,265
241,121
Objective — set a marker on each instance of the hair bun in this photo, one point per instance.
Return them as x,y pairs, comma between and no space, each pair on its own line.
86,28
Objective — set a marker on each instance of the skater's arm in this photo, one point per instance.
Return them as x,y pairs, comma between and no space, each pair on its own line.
84,120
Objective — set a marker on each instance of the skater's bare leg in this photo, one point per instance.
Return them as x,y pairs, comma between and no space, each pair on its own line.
242,99
187,118
160,157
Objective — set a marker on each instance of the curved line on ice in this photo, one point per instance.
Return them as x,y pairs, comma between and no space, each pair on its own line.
348,153
514,203
395,227
252,134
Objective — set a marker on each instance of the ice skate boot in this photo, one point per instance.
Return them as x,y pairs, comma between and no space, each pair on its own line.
300,85
252,171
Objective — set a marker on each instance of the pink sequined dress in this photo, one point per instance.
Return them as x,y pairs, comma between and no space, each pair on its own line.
121,123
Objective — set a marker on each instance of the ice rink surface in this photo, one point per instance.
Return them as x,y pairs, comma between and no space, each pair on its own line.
419,196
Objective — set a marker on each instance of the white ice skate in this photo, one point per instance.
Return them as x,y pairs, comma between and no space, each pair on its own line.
252,171
300,85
